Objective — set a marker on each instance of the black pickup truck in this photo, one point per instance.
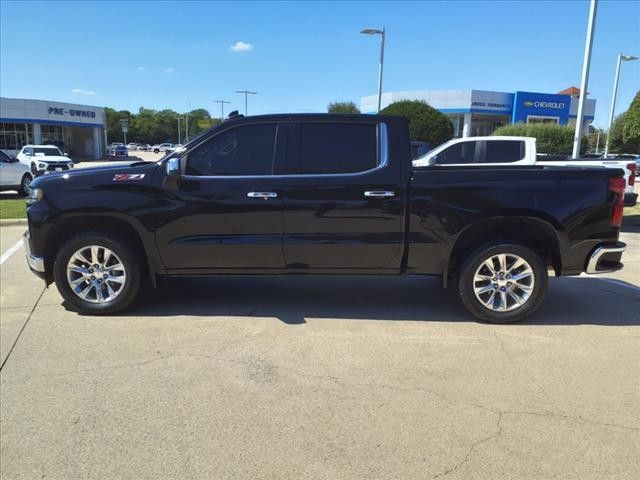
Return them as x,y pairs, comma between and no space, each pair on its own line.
321,194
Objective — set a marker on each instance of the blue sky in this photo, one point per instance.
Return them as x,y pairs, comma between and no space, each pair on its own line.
303,55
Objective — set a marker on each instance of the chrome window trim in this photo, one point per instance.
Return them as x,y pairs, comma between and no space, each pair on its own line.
382,151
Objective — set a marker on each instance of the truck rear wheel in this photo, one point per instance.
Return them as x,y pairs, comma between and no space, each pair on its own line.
97,273
503,282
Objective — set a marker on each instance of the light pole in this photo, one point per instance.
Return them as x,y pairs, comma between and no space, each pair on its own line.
221,102
376,31
621,58
246,94
586,63
179,130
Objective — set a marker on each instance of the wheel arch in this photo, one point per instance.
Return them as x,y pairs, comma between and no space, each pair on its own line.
72,224
533,232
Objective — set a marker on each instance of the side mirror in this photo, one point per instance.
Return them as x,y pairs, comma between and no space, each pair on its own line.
172,180
173,167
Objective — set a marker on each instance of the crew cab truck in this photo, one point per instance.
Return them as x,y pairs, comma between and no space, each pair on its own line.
321,194
500,150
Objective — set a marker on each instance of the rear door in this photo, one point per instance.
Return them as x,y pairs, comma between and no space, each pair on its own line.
227,211
343,199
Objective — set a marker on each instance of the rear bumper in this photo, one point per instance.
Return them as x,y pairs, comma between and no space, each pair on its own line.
36,264
606,258
630,199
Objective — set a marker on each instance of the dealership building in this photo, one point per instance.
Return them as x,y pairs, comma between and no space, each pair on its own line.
80,127
480,112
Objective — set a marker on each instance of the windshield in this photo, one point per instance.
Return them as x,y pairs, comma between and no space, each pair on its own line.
47,152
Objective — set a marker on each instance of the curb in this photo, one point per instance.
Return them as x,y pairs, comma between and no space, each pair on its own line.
12,222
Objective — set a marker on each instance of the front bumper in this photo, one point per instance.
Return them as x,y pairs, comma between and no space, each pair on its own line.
36,264
606,258
630,199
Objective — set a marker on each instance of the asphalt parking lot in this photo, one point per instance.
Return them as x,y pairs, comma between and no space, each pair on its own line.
329,378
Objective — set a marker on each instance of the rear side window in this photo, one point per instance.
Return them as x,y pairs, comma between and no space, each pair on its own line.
503,151
245,150
463,152
326,148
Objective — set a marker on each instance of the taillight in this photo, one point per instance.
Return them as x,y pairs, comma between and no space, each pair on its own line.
632,167
617,186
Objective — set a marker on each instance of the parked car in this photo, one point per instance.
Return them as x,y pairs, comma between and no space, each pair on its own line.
42,159
497,150
14,175
112,147
322,194
120,151
629,156
143,147
163,147
132,146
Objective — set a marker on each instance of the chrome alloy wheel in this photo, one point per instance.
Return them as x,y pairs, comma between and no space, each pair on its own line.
96,274
503,282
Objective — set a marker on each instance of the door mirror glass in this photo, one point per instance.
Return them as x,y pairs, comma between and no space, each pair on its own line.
173,167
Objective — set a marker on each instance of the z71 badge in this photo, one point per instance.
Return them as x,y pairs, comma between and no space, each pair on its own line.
124,177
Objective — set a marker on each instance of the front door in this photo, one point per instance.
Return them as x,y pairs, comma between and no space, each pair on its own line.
226,213
343,199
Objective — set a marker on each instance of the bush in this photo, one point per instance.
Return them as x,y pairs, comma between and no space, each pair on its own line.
551,138
426,124
342,107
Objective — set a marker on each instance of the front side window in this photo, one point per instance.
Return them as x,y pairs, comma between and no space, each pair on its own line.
245,150
330,148
462,152
503,151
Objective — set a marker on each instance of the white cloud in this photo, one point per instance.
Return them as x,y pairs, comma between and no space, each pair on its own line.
142,69
83,92
169,70
241,47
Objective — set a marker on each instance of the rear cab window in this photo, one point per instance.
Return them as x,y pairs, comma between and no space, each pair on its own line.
503,151
325,148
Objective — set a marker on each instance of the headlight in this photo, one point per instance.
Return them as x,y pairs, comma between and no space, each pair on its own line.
42,165
35,195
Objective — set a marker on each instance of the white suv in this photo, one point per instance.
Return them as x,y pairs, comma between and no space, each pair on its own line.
14,175
43,159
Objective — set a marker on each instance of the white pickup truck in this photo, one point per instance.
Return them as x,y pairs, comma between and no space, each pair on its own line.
491,151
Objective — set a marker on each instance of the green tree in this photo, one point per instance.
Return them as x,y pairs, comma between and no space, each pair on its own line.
550,138
342,107
426,124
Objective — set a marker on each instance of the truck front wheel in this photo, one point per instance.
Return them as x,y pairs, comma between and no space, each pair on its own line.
503,282
97,273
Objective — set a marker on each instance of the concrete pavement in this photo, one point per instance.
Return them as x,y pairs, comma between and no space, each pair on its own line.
329,378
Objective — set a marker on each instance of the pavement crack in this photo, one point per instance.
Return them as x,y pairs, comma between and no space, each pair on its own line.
473,447
24,325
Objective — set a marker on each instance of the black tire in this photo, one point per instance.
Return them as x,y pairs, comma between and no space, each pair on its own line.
472,264
23,189
156,151
127,254
34,170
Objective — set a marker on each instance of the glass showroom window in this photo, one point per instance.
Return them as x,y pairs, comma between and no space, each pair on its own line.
14,136
52,132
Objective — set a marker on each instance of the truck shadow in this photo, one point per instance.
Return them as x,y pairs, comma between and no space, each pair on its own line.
570,301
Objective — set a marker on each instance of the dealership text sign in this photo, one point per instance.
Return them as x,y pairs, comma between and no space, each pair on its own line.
72,112
556,105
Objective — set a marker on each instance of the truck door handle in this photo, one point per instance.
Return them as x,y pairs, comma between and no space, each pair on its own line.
263,195
379,194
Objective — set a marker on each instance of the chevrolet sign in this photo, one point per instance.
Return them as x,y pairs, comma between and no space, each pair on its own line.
556,105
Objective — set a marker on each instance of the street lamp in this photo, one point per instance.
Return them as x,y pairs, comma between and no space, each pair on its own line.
621,58
375,31
221,102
